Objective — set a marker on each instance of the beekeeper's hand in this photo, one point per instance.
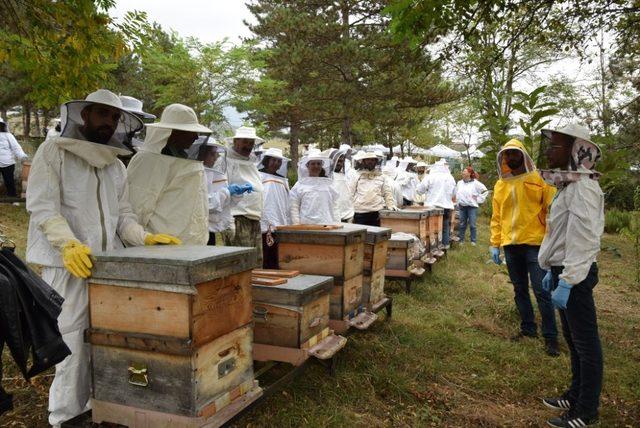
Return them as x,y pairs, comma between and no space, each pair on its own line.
161,239
546,282
239,189
75,258
560,296
394,208
495,255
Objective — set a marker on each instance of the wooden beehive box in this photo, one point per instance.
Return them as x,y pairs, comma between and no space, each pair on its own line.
170,327
375,260
291,314
412,220
337,252
399,252
435,225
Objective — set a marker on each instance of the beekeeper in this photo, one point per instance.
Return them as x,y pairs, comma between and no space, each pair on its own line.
407,179
168,190
341,184
370,190
242,170
421,172
440,189
276,208
78,199
390,172
313,198
213,157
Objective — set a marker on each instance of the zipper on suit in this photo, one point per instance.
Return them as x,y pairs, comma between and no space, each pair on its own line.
101,211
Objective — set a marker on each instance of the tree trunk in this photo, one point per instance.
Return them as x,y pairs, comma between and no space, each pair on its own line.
3,114
346,129
26,121
294,142
36,116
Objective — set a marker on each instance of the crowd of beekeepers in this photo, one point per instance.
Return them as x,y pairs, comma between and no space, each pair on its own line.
181,186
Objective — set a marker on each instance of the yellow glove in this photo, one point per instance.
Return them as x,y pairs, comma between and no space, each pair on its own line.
75,257
161,238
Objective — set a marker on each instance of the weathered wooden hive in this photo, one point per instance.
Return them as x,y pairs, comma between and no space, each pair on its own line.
400,253
170,332
375,260
414,220
335,251
435,226
291,319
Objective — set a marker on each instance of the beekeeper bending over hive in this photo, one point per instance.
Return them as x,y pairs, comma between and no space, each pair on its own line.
313,198
168,190
78,199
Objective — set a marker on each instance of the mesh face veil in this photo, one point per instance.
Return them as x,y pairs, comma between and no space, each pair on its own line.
73,125
311,162
266,159
204,144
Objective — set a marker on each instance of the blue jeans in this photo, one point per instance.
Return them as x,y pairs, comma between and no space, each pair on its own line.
522,263
580,330
468,215
446,227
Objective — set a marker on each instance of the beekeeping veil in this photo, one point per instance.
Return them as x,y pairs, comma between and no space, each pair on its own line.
75,114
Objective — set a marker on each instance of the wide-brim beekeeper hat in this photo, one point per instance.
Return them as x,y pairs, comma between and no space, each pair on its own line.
134,105
181,118
584,152
246,133
71,115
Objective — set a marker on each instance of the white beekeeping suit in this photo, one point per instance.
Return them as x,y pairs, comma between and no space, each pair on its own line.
276,209
390,172
78,199
168,192
419,198
341,184
215,176
407,179
313,199
439,186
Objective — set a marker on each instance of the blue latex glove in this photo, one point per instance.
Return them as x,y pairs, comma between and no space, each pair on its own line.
236,189
546,282
560,295
495,255
248,188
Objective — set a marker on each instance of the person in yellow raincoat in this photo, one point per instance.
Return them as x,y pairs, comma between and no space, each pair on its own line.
520,202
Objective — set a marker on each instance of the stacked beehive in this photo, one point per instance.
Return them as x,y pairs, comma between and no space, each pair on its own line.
375,260
332,251
171,334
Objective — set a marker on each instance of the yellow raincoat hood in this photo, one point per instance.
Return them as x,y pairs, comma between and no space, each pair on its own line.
520,202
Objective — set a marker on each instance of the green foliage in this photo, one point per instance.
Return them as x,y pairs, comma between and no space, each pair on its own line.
536,117
615,221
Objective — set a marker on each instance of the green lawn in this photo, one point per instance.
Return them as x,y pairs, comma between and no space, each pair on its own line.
445,359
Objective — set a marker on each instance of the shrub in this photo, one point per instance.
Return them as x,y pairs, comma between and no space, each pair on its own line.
615,220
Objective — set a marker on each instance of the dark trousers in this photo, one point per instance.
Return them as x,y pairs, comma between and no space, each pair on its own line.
580,330
369,219
522,264
212,239
269,253
9,180
446,227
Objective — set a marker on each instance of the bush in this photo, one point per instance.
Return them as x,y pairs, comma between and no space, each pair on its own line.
615,220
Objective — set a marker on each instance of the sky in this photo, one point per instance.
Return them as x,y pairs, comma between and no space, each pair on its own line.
215,20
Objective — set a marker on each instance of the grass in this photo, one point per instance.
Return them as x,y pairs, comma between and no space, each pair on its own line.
444,359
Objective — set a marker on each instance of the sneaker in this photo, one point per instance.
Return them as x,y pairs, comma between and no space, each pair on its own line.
557,403
551,347
473,244
569,420
523,335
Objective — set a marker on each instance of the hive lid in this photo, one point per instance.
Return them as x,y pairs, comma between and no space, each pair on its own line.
348,234
172,264
404,214
374,234
295,292
435,211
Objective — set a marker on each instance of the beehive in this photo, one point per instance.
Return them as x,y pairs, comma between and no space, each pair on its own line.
375,260
333,252
411,220
292,313
170,328
400,253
